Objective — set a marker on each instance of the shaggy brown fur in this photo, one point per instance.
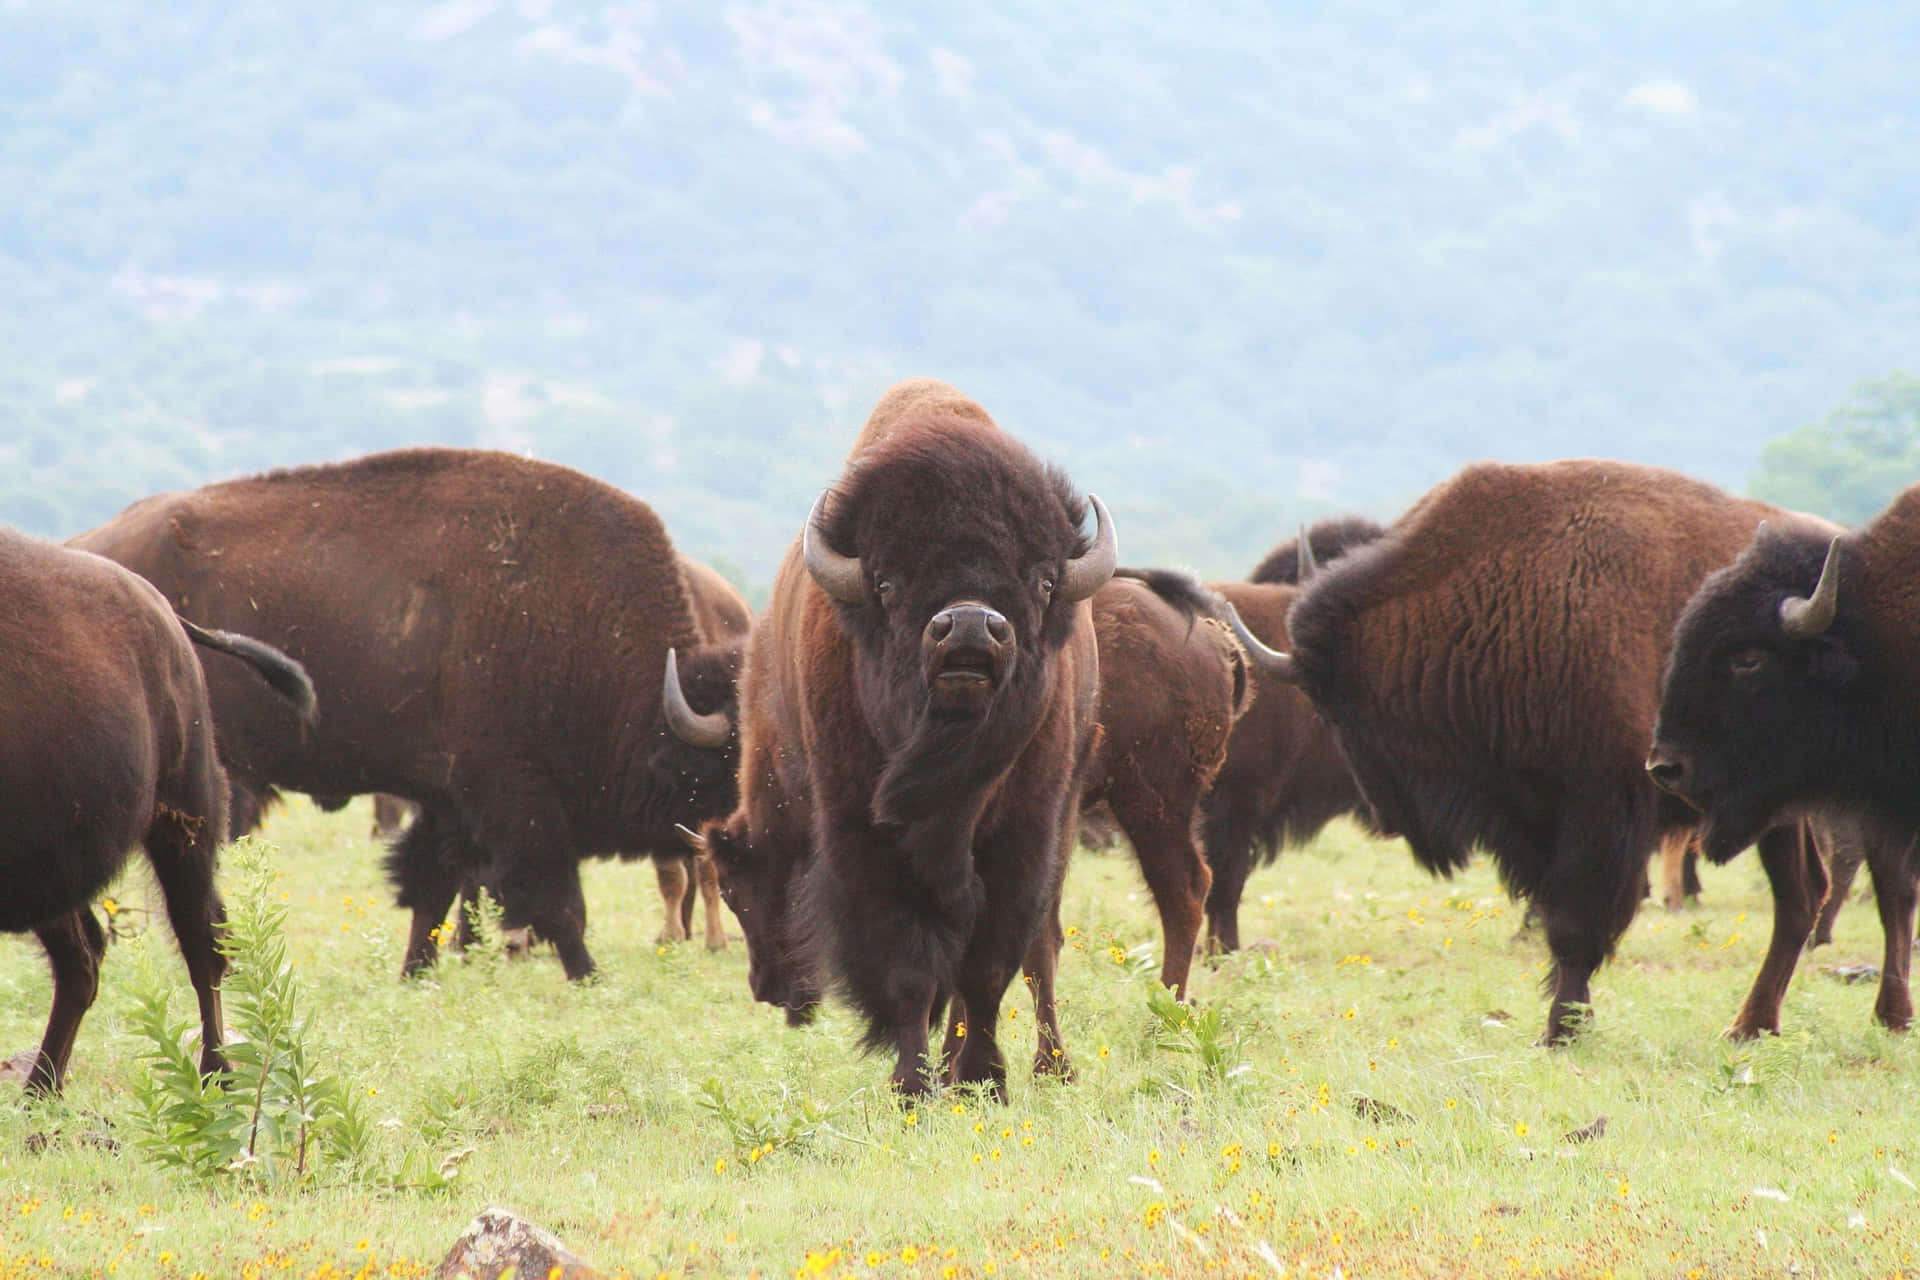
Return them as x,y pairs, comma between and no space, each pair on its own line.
940,825
1491,666
492,631
109,744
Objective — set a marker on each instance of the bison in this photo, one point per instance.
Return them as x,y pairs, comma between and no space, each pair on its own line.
920,701
109,743
1790,689
494,634
1171,687
1284,778
1491,667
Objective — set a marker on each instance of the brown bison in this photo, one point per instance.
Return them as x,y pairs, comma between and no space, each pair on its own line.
1791,689
920,712
1284,778
109,743
1171,685
495,632
1491,667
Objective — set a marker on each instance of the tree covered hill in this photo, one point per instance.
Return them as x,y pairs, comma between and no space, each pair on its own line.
1236,267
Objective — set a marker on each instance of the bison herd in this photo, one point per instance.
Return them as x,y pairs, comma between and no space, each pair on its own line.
1564,665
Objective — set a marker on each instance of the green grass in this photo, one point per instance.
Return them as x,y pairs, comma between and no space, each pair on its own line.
586,1107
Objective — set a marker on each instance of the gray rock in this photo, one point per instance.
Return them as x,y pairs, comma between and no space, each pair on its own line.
497,1240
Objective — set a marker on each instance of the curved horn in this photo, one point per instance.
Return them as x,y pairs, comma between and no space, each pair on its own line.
688,725
691,838
1090,572
1803,619
839,576
1273,662
1307,566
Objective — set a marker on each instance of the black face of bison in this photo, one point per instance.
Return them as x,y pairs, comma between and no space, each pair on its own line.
757,886
956,575
695,753
1761,699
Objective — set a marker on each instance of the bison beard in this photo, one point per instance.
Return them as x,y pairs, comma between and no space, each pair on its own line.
944,756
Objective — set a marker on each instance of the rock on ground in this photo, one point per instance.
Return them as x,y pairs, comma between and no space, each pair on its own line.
497,1240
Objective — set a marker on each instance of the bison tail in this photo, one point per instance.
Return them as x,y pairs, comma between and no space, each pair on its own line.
287,677
1178,588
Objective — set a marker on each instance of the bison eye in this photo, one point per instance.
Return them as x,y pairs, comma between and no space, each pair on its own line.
883,589
1046,590
1749,662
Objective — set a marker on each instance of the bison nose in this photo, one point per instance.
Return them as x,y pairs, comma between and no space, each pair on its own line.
969,625
1668,772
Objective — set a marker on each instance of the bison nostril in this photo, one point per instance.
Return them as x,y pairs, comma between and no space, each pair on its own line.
941,627
999,628
1666,774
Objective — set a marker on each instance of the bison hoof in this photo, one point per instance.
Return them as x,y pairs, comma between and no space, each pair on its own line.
1750,1030
1053,1063
718,942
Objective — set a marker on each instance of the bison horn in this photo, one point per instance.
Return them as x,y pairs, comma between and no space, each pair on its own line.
1275,663
691,838
1308,565
1803,619
1090,572
688,725
839,576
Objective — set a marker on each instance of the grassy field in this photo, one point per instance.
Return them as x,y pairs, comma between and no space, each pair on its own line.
1378,1106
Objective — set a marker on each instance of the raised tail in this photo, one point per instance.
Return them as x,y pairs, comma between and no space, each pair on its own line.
1178,588
287,677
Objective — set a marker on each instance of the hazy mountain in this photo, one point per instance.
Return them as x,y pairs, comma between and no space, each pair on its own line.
1234,271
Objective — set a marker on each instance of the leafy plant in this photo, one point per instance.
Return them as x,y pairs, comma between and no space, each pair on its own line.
757,1127
272,1115
1198,1032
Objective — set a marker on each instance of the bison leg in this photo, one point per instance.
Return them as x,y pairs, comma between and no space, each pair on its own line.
1799,884
1042,963
182,849
526,830
1161,833
707,876
424,866
1229,852
1674,845
1844,852
1894,894
670,871
74,945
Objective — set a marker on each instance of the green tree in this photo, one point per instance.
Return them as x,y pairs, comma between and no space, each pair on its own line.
1850,464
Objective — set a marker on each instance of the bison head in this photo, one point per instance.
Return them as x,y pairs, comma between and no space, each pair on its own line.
1760,688
756,884
696,747
956,568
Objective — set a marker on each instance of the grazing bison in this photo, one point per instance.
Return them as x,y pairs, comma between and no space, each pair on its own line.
1284,778
1792,689
1491,667
494,634
920,700
109,743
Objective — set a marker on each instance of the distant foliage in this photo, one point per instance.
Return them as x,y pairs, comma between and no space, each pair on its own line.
1850,464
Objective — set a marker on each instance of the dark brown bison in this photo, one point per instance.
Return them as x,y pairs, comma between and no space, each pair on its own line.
920,710
1325,541
1171,684
496,631
1791,689
109,744
1284,778
1491,666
